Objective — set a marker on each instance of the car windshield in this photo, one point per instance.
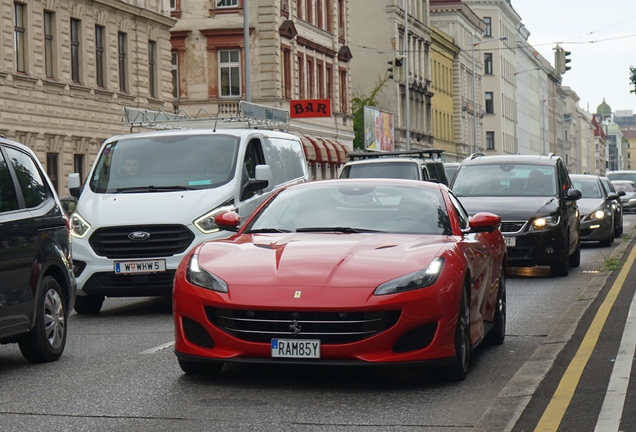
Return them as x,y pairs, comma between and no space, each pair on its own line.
625,187
165,163
505,180
621,176
397,170
589,187
355,207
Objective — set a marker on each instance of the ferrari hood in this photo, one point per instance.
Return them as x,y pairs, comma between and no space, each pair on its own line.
319,259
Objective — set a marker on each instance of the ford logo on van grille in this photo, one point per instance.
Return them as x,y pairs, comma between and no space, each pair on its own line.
139,235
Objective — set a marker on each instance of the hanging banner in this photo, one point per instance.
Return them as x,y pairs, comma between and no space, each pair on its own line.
306,108
378,130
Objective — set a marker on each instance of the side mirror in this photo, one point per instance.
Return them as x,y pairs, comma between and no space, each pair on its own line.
613,196
484,222
573,195
264,172
228,221
74,184
621,193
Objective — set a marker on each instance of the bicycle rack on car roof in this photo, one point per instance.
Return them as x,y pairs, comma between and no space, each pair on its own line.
251,116
432,153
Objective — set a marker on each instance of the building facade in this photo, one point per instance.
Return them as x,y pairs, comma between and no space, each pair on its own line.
70,66
298,50
374,45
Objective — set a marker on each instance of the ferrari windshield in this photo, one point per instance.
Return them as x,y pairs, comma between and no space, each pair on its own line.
505,180
165,163
354,207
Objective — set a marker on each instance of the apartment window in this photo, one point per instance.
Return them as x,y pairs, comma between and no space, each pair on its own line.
173,5
320,69
488,30
341,18
286,75
48,44
99,55
121,49
490,103
310,11
311,85
19,37
488,63
75,50
226,3
301,77
490,140
343,91
51,168
319,22
152,68
329,16
230,72
299,9
175,74
329,81
78,165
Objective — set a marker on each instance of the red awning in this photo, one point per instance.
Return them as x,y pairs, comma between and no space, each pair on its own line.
331,150
341,149
322,154
310,149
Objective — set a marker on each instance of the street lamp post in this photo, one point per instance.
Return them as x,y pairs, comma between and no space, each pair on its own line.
475,143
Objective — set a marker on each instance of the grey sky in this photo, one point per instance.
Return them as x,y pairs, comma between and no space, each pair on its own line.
599,70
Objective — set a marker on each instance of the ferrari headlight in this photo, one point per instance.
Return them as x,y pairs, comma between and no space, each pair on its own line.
419,279
544,223
79,226
206,222
203,278
596,215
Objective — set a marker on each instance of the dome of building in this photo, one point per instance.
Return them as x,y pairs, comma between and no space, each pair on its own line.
604,109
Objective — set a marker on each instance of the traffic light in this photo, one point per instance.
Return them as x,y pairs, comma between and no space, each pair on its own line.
396,72
561,60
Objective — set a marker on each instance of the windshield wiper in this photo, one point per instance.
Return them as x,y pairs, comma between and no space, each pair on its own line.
336,229
267,230
152,188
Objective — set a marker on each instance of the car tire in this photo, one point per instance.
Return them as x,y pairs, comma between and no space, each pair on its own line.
609,240
575,258
561,268
47,339
457,370
89,304
497,335
200,368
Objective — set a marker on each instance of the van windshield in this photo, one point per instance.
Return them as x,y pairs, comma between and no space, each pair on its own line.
165,163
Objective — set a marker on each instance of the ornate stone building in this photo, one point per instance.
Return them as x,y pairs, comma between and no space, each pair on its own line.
70,66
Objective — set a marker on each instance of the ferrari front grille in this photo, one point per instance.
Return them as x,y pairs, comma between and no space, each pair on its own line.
329,327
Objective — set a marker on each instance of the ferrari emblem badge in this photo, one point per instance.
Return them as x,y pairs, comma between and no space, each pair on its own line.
297,294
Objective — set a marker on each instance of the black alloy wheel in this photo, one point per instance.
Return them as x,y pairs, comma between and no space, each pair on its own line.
47,339
457,370
497,335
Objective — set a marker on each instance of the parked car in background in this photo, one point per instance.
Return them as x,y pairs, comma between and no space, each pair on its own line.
616,204
595,209
628,198
355,271
451,169
536,201
410,165
37,287
151,196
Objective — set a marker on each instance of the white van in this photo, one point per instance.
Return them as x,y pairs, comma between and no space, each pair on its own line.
150,197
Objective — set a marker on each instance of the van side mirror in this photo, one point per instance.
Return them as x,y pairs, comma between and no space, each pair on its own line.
264,172
74,184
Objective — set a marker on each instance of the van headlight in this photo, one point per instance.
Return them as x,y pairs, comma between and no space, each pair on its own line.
206,224
543,223
419,279
203,278
79,226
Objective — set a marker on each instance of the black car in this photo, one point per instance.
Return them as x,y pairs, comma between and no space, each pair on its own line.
616,204
537,204
37,287
597,209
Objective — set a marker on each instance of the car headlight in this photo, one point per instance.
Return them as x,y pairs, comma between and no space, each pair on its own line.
596,215
206,224
203,278
79,226
419,279
543,223
632,200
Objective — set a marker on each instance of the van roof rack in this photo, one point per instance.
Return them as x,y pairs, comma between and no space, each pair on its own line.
431,153
249,116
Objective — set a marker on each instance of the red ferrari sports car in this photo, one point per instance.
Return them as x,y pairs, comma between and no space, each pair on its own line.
347,271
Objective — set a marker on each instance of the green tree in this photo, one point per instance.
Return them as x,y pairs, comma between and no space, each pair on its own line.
358,102
632,78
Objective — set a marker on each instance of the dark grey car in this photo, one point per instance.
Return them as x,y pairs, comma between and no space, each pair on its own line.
595,209
37,287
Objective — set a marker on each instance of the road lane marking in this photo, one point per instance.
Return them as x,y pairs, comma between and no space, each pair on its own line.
158,348
612,410
554,412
